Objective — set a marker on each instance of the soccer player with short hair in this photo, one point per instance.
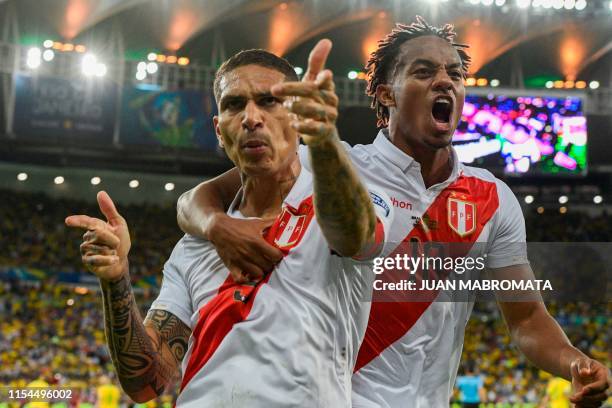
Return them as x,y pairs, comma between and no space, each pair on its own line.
411,350
290,339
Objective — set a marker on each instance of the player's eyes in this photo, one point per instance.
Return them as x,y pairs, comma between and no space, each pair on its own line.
456,75
422,72
233,104
268,101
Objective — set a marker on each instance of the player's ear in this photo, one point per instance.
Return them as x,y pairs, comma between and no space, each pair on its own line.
218,131
385,95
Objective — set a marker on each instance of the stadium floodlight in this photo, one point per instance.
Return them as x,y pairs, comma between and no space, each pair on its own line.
58,180
134,183
597,199
558,4
528,199
140,75
95,181
580,5
563,210
594,84
48,43
152,56
486,2
89,64
33,61
352,75
22,176
563,199
152,67
48,55
547,4
169,186
101,70
494,83
70,302
610,5
569,4
299,70
549,84
540,210
474,2
34,52
523,3
500,3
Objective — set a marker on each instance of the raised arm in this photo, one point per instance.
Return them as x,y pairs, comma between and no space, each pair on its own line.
342,204
146,355
543,342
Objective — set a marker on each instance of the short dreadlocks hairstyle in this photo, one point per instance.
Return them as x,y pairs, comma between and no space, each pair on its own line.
383,62
259,57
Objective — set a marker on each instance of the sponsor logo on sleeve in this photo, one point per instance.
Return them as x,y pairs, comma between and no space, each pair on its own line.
379,201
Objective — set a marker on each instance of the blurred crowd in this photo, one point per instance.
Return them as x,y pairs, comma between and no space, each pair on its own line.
508,376
56,331
33,234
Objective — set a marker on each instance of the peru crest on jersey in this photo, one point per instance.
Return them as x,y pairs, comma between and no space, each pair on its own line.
461,216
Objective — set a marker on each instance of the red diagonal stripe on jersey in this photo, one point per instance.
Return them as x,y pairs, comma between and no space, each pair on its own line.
391,318
233,302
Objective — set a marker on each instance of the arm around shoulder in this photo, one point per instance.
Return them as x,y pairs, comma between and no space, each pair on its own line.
199,208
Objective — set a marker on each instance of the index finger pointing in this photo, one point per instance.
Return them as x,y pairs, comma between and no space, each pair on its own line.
108,207
84,221
317,59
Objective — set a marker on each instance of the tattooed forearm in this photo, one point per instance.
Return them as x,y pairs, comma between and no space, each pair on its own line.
145,355
173,332
342,204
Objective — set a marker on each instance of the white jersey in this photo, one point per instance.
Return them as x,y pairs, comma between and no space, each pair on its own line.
290,340
411,350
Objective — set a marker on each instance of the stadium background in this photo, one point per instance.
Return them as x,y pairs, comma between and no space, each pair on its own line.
116,95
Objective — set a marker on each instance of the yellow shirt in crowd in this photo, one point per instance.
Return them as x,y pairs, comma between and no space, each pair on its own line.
109,396
558,391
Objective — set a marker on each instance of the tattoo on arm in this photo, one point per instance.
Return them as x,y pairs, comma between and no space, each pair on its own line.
145,355
343,206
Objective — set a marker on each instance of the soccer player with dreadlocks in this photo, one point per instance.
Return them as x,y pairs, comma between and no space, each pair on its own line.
411,350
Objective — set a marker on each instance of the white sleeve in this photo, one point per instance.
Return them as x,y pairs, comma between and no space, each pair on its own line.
174,296
305,157
507,245
384,218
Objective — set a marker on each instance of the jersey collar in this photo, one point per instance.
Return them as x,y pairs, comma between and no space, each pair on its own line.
391,152
301,188
405,161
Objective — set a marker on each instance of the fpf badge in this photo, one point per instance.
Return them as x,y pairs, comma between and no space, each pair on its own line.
291,229
461,216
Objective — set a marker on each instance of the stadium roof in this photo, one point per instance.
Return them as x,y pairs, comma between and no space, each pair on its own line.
534,40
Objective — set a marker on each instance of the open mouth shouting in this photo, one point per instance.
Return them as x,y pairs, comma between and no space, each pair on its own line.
442,112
